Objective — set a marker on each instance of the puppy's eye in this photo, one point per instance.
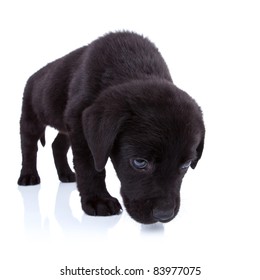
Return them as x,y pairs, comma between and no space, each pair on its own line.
186,165
139,163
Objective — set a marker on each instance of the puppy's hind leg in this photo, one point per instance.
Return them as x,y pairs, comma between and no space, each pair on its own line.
31,131
60,147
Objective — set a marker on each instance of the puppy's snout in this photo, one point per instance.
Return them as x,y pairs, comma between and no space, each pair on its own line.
163,215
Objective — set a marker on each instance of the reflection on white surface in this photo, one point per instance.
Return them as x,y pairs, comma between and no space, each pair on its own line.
33,220
157,228
84,225
32,215
88,224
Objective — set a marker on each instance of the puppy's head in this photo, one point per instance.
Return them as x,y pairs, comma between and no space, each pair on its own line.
153,132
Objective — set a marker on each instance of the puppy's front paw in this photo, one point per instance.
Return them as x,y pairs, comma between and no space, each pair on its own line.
101,206
29,179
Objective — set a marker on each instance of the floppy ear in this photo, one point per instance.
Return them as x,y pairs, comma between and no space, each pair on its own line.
101,125
199,152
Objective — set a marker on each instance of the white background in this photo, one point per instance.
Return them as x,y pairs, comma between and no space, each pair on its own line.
213,51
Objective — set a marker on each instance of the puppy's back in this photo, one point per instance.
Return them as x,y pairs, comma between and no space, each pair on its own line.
73,82
124,56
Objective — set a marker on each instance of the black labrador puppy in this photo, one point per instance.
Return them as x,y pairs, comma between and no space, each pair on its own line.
114,98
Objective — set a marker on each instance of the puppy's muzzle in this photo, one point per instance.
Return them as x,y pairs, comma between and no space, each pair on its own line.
163,215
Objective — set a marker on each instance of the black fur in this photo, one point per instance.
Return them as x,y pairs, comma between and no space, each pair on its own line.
114,98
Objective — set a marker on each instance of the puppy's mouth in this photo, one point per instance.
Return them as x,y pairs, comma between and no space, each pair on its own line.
145,211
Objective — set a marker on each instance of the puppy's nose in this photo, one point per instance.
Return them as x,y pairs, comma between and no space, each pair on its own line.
163,215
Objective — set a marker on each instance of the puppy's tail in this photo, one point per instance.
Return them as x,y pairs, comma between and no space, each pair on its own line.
42,139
